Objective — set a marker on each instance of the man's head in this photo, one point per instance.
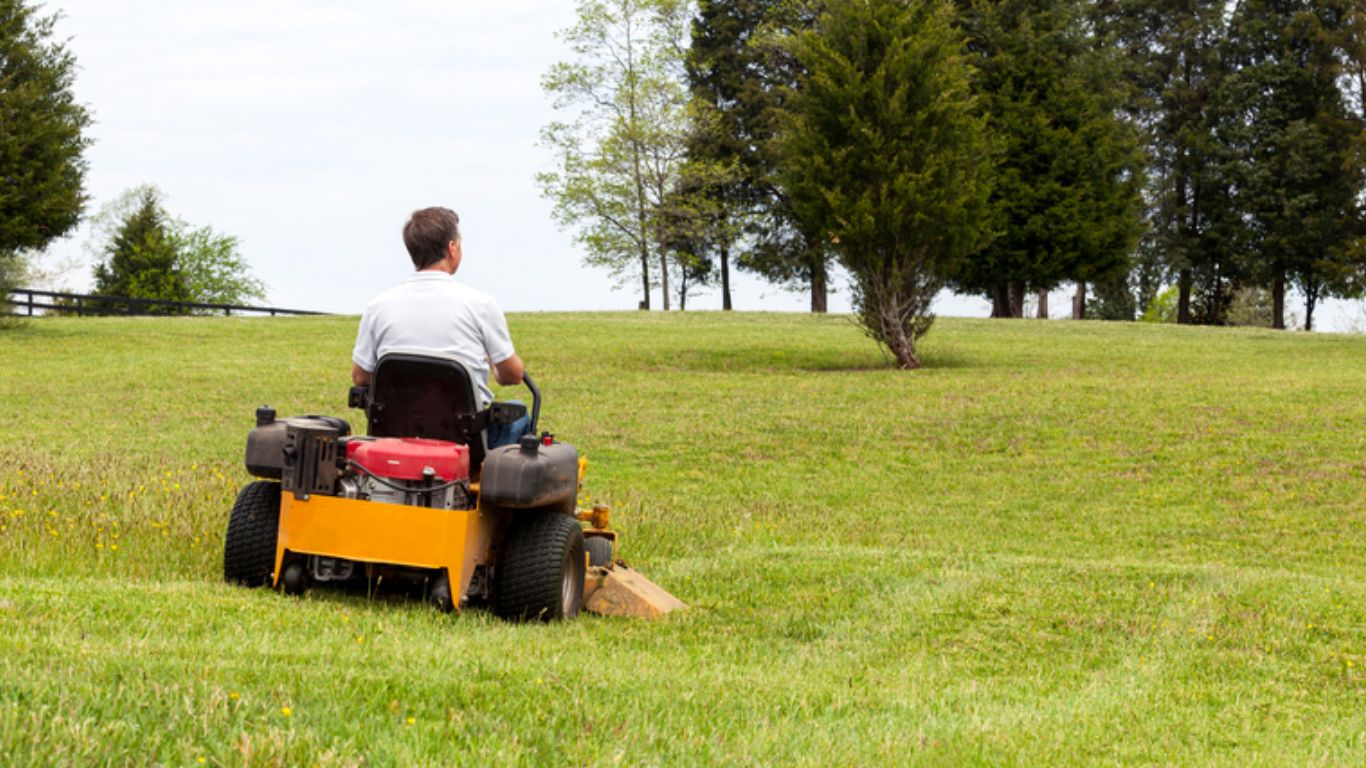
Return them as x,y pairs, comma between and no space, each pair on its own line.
430,234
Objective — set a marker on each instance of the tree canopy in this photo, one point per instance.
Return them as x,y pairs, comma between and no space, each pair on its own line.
42,135
143,252
620,151
885,154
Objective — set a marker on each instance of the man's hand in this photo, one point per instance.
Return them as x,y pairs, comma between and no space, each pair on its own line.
359,376
508,372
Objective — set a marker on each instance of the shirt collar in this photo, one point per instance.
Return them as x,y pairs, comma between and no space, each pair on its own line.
432,275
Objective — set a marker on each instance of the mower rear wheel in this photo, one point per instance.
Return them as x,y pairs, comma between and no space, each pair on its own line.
541,570
253,529
599,550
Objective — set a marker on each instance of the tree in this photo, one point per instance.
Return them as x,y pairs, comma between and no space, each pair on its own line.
140,259
143,252
42,168
619,156
738,80
213,269
1299,170
883,151
1066,202
1172,57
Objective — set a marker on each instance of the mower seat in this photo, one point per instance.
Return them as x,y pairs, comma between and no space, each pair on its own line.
412,395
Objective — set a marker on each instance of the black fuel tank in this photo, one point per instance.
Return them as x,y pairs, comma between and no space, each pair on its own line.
266,443
530,475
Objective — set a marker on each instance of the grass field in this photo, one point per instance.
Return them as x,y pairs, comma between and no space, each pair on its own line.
1062,543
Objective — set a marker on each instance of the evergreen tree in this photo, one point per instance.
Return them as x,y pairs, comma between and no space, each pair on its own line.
738,79
42,139
1172,58
1299,172
143,252
1066,203
883,151
140,261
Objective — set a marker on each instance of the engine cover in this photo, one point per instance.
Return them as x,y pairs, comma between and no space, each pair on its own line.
407,458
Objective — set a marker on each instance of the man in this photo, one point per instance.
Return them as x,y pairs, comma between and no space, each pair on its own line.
430,313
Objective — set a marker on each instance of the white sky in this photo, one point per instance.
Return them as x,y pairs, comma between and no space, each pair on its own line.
310,130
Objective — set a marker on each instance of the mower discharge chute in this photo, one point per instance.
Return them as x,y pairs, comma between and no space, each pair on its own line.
420,501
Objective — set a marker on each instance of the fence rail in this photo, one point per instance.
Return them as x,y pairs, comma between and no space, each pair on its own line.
81,304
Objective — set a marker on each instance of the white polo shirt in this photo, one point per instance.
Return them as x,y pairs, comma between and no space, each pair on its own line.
430,313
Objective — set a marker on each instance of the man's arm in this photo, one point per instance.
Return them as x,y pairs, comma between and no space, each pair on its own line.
508,372
359,376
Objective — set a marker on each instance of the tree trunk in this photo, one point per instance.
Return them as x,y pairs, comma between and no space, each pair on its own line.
1017,294
1079,301
1183,298
819,293
664,277
725,278
1000,301
1310,299
902,346
1042,298
1278,301
645,278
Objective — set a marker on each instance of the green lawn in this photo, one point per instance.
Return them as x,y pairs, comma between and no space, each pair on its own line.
1062,543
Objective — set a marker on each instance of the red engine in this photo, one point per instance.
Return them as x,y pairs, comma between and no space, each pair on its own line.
409,458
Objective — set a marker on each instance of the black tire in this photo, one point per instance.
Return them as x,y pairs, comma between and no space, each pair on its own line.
599,550
253,530
541,570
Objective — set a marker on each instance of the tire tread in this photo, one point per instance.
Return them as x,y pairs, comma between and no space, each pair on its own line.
253,530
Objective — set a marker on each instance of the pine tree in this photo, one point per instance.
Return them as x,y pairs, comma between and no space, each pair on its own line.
1299,171
882,149
1066,203
42,139
738,79
1172,53
140,261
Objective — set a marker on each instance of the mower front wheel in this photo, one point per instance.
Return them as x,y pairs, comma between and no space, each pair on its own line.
541,570
599,550
253,529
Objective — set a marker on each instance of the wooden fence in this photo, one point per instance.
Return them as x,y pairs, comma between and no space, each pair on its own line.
24,301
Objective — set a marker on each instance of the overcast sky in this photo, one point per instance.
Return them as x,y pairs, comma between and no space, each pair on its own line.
310,130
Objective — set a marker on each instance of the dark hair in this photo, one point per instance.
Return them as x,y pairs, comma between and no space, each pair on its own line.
427,233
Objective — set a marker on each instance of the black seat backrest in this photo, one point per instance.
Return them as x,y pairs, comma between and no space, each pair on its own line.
431,397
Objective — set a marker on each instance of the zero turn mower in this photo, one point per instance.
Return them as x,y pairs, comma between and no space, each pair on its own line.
421,502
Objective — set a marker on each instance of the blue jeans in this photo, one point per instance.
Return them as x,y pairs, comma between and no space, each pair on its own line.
508,434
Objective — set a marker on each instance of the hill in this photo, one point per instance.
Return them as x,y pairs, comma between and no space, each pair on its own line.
1061,543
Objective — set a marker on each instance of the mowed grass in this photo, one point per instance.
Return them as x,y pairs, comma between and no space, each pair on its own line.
1062,543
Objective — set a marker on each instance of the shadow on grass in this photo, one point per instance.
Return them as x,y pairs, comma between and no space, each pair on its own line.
865,359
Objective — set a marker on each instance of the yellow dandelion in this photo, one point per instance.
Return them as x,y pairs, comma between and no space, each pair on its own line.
234,696
286,711
411,720
113,546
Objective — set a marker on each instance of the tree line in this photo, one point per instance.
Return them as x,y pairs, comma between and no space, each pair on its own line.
1166,158
140,249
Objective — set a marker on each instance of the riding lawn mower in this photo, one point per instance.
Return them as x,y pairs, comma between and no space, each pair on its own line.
420,502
